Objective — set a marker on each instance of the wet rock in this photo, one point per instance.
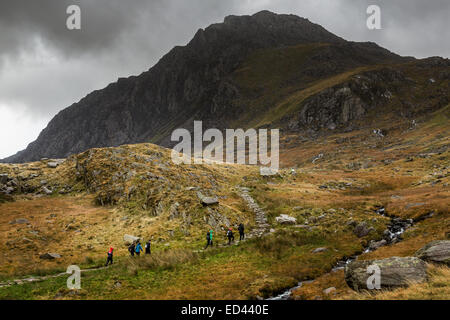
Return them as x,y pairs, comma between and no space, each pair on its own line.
395,272
436,251
285,219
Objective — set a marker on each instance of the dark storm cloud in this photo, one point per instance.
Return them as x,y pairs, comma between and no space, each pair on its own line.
44,67
117,38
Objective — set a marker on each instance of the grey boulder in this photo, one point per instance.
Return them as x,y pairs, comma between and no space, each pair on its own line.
436,251
207,201
285,219
395,272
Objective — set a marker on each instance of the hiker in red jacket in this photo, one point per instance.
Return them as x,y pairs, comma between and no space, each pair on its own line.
110,256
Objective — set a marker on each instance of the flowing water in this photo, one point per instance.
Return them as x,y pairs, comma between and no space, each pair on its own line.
392,235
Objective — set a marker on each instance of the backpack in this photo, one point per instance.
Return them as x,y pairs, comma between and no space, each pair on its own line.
208,237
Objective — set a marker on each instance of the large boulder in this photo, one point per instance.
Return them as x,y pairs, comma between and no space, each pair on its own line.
129,239
207,201
436,251
285,219
395,272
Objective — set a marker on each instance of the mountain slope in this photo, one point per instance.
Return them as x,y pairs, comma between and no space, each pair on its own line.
218,78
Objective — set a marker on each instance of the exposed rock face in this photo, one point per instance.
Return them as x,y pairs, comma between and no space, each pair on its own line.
285,219
195,82
340,105
436,251
395,272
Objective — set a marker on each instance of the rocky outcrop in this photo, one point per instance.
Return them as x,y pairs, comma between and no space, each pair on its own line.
436,251
340,105
395,272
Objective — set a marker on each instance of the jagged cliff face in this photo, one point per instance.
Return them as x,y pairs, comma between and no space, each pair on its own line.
220,78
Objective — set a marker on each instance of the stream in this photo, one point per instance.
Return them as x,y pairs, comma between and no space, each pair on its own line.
392,235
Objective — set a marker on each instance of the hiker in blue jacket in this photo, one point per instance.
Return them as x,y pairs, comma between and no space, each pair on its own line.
138,248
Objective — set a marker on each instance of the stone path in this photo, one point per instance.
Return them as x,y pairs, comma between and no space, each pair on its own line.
262,227
260,216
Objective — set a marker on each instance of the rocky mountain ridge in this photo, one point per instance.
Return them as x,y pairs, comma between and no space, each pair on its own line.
197,82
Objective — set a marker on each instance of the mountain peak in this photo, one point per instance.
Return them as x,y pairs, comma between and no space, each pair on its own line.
198,81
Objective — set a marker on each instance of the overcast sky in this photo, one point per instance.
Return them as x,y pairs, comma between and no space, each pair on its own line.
44,67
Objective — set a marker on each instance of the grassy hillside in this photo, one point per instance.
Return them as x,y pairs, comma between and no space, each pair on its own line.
393,155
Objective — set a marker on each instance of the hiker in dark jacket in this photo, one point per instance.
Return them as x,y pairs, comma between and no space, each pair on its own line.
241,232
230,236
138,248
208,239
148,249
110,256
131,248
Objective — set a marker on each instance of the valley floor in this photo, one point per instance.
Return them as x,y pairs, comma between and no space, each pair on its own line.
133,190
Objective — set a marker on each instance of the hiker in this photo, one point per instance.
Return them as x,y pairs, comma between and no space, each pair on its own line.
148,249
110,256
131,248
230,236
138,249
208,239
211,237
241,232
